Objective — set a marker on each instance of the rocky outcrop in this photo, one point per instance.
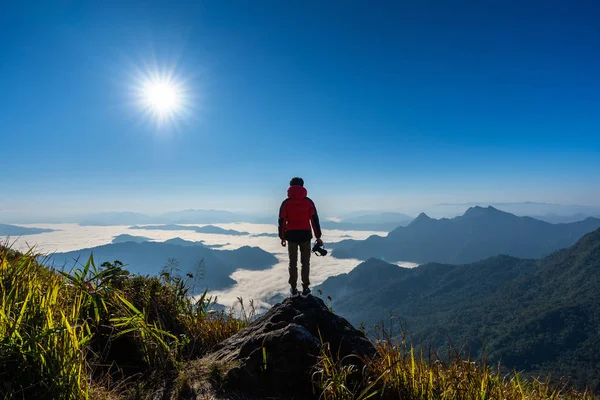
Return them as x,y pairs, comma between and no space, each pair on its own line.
276,353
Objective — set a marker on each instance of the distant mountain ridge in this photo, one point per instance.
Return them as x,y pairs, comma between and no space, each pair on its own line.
116,218
148,258
209,229
564,219
526,208
172,217
124,238
15,230
204,217
361,221
478,234
539,316
368,221
373,217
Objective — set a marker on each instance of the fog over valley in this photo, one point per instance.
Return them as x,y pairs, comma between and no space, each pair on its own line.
264,286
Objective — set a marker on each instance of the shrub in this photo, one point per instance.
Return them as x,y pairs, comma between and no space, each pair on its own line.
68,334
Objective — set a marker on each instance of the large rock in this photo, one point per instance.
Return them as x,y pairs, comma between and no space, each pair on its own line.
291,334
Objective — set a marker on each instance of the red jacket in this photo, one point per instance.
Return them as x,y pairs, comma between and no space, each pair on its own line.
296,215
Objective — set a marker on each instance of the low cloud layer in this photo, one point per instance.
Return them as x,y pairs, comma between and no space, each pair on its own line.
263,287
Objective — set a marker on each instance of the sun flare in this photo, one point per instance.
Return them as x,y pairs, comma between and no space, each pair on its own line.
163,97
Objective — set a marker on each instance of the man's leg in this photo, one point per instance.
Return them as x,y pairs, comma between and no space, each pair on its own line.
293,252
305,260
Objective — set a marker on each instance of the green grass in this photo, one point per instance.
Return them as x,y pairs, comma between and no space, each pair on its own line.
98,332
88,332
398,371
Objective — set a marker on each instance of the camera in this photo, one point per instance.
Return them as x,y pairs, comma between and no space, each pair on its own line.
318,250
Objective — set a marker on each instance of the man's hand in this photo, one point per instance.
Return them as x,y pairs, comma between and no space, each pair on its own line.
283,242
319,242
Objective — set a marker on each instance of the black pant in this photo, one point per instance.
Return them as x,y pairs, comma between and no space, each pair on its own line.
304,259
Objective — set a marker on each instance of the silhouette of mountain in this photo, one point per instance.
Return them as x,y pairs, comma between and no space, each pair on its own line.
129,238
174,217
563,219
526,208
351,226
14,230
210,229
183,242
362,221
273,235
369,221
115,218
202,217
479,233
374,217
214,266
177,241
533,315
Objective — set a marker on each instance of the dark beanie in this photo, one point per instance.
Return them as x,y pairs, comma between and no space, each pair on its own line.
297,182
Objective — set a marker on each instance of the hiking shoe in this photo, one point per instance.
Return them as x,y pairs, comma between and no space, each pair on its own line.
306,292
294,292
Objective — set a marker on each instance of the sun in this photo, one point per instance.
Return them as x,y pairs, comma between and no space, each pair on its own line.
162,96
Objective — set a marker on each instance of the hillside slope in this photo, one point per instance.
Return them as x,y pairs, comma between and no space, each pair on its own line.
533,315
103,333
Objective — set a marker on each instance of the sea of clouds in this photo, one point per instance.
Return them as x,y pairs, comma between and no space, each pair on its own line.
264,287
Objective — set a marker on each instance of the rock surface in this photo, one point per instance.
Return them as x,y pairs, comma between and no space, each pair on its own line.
290,334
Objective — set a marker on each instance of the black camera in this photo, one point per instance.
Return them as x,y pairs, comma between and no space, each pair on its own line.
318,250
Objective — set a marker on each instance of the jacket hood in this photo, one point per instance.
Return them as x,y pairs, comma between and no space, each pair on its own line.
297,192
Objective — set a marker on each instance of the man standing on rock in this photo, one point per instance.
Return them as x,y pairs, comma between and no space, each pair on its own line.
296,215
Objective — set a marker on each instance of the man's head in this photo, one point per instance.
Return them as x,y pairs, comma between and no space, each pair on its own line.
297,182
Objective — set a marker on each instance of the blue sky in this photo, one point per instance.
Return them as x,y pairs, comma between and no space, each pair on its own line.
388,104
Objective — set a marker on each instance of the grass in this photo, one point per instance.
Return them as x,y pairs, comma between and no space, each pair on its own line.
90,332
398,371
98,332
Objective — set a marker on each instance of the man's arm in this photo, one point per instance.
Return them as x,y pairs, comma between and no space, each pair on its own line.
282,218
316,225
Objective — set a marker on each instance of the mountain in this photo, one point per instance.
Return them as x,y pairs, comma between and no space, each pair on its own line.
526,208
563,219
373,226
479,233
202,217
368,221
272,235
183,242
129,238
177,241
173,217
539,316
14,230
148,258
381,226
115,218
374,217
210,229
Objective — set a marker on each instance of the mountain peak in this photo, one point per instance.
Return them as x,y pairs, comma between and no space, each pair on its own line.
479,211
422,217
